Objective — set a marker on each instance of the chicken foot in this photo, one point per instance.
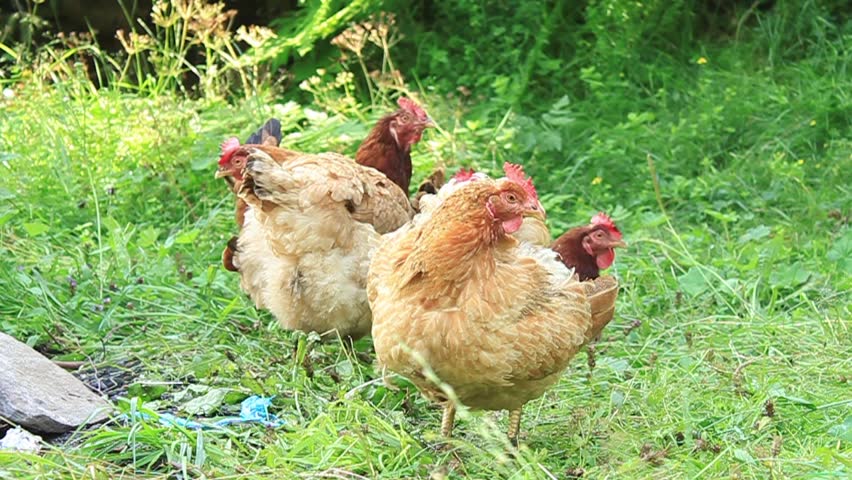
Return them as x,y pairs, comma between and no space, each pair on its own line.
514,426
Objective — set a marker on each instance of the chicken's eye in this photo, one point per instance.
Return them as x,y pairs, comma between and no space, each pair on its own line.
511,198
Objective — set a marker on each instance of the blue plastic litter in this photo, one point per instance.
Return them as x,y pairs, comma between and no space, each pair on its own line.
253,409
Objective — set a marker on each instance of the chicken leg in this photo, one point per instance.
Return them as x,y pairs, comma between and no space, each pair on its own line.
448,419
515,426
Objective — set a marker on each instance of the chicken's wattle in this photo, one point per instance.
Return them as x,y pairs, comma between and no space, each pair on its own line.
604,260
512,225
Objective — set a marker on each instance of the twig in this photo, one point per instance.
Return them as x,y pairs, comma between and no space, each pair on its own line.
69,365
656,181
351,393
743,18
740,367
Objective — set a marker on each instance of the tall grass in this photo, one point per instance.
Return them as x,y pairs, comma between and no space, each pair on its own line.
725,163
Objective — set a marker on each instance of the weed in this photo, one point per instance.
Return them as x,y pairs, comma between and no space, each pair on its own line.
729,176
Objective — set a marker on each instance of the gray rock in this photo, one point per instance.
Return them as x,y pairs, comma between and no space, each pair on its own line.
40,396
20,440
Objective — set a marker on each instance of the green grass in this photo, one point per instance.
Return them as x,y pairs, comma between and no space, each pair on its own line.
728,357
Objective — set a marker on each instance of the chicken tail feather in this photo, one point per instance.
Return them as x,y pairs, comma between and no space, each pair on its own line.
228,255
262,178
268,134
602,293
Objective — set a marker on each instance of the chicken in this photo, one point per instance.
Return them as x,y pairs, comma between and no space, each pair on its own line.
305,247
534,228
314,220
387,148
496,319
231,169
590,248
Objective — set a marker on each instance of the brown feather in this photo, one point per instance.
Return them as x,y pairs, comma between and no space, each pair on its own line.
228,255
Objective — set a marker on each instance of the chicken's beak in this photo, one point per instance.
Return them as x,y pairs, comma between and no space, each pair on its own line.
221,173
618,244
428,123
535,209
537,213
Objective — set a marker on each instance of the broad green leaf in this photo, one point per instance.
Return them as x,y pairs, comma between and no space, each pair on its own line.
110,223
616,398
203,163
756,233
743,456
148,237
6,216
187,237
791,275
207,403
35,229
549,141
722,217
618,365
777,391
843,430
692,282
147,392
234,397
841,252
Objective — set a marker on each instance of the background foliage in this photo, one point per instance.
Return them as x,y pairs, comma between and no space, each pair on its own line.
716,133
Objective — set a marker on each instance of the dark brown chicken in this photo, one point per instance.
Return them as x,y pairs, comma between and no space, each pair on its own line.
388,146
590,248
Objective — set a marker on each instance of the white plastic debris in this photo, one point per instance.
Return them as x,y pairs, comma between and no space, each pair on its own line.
20,440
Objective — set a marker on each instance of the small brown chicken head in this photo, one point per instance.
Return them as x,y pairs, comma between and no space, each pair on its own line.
601,241
510,204
231,160
516,173
407,123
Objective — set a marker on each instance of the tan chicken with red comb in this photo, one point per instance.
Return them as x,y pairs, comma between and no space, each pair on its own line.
496,319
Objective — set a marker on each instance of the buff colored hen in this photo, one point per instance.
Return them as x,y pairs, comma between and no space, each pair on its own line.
310,221
305,247
496,319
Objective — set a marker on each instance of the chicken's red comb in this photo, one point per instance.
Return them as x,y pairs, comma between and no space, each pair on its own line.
408,104
228,147
516,174
603,219
463,175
